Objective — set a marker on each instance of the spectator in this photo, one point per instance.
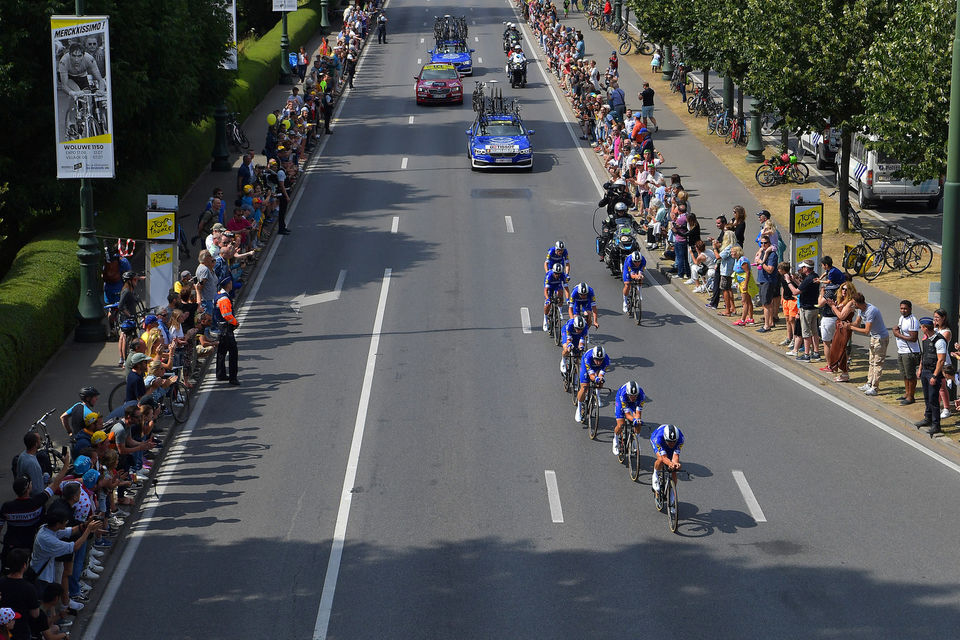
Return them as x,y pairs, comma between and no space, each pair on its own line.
73,418
18,596
879,340
679,218
942,326
302,62
739,224
206,285
351,68
745,285
22,515
52,542
51,614
717,244
791,313
828,321
184,282
245,175
136,388
646,110
327,109
727,262
277,177
28,465
212,242
907,333
807,289
932,360
768,277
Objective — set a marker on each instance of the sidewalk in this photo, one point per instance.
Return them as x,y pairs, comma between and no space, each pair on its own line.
705,175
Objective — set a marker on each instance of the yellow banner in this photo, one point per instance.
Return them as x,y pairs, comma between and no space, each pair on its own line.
160,226
160,258
808,251
808,218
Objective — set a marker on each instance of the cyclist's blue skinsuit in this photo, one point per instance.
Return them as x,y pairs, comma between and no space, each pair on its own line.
553,283
623,403
579,304
660,446
557,257
629,268
589,365
570,336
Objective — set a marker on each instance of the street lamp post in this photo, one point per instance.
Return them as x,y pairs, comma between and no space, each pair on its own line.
617,17
755,143
286,75
324,20
667,67
89,308
950,263
221,154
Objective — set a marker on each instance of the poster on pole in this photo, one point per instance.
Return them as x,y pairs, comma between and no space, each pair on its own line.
284,5
230,60
82,97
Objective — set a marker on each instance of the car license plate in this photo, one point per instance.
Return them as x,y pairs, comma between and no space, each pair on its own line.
504,160
502,149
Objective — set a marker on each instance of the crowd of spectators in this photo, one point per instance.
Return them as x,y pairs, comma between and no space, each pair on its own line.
60,523
820,311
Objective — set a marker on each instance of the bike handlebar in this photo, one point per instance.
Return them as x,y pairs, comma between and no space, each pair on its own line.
43,417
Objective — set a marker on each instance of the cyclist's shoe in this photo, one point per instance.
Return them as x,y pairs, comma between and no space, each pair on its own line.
654,481
616,448
563,366
624,305
578,416
546,326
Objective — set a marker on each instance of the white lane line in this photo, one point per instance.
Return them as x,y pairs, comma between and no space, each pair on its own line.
479,60
755,511
525,319
395,225
475,38
473,22
553,495
509,222
421,40
591,171
350,476
403,163
410,120
419,61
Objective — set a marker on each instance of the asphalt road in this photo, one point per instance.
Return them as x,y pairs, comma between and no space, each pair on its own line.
450,532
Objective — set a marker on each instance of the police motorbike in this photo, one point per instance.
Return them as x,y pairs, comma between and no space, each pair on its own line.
617,236
518,73
511,38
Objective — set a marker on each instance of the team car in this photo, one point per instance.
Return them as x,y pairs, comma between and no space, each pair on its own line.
497,138
454,52
438,83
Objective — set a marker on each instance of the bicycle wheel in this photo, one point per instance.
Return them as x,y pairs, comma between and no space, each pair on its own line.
646,48
712,123
117,396
593,414
798,172
575,380
622,448
723,126
633,456
894,252
918,257
567,378
873,266
732,136
54,457
673,505
92,126
557,332
624,34
658,494
625,47
692,104
637,305
242,138
766,176
593,22
854,260
179,402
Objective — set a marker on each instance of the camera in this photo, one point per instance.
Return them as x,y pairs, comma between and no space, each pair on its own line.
194,280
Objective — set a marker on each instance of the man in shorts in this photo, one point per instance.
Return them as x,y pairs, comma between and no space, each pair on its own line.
646,109
806,287
908,350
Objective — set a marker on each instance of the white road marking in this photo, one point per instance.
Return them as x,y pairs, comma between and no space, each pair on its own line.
525,319
303,300
553,495
350,476
509,222
403,163
479,60
419,61
762,359
473,22
410,120
475,38
395,225
421,40
755,511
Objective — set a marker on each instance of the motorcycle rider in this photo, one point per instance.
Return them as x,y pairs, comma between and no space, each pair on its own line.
516,57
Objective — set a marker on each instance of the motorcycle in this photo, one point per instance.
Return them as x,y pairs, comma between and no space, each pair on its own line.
622,244
518,74
511,38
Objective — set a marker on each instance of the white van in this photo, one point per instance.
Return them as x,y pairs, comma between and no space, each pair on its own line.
871,175
823,145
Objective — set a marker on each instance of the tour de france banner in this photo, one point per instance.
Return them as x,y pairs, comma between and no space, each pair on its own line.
82,97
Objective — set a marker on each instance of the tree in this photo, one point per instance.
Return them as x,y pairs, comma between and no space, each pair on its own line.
809,69
906,87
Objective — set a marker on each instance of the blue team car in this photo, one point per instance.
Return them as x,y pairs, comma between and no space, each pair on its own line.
454,52
497,138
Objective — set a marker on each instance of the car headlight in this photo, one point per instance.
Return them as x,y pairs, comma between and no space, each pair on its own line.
525,152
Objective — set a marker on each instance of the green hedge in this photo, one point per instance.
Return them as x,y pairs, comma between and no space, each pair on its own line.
38,303
38,295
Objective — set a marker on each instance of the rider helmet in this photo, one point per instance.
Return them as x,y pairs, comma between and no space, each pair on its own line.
620,207
670,433
559,246
636,256
598,353
619,182
579,324
516,47
633,389
582,289
88,392
557,268
129,275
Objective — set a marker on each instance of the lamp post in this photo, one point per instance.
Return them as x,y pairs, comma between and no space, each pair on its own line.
89,308
950,263
324,20
755,143
221,154
286,76
617,17
728,93
667,67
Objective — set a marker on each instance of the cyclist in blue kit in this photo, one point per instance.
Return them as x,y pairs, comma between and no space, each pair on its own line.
554,282
593,367
583,300
667,440
628,406
633,272
557,254
574,336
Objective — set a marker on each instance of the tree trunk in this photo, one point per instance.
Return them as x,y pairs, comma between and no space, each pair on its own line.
706,82
843,179
740,101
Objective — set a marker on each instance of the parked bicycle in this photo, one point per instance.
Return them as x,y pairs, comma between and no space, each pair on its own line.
50,459
738,132
776,170
235,134
629,42
897,250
